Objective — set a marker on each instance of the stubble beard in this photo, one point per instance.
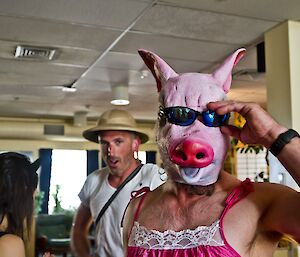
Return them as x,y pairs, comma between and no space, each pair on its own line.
197,190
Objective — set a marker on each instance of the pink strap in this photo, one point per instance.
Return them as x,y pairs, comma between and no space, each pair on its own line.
235,196
135,194
138,193
239,193
142,192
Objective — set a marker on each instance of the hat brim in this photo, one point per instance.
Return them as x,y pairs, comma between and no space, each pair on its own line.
93,133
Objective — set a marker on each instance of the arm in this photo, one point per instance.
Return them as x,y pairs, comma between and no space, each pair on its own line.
279,202
290,158
260,128
11,245
79,235
281,210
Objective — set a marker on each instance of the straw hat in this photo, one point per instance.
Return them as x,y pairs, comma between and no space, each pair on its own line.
115,120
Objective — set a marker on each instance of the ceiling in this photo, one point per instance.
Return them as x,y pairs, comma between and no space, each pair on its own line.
96,44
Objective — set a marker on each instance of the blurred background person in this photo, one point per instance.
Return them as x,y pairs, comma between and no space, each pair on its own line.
119,139
18,182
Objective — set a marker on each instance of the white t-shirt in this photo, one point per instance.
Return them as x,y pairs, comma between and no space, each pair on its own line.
95,193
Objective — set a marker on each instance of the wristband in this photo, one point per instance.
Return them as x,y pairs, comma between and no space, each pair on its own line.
283,139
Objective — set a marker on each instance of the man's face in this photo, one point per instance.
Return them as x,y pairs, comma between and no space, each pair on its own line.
118,150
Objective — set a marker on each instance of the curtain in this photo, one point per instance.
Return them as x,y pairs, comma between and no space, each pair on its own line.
151,157
45,156
92,161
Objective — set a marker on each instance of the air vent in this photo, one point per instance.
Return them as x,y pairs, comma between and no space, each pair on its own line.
56,130
35,52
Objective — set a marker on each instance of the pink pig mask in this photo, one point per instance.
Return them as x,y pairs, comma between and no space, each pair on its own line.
191,154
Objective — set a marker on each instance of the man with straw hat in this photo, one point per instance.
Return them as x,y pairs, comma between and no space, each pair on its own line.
107,192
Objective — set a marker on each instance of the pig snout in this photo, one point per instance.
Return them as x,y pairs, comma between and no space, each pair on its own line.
193,153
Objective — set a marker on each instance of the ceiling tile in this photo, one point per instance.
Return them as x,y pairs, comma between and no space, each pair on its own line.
42,32
108,75
273,10
12,78
197,24
126,61
86,85
30,68
39,94
20,109
94,12
175,48
121,60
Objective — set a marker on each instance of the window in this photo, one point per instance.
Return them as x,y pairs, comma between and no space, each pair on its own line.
69,173
251,165
142,157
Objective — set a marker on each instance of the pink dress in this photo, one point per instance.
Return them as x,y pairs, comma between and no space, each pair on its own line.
204,241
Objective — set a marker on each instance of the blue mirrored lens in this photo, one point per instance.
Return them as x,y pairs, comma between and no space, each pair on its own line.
212,119
181,116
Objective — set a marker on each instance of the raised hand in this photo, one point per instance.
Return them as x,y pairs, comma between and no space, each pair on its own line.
260,127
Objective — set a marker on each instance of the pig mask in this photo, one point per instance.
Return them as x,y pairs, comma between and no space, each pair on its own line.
191,154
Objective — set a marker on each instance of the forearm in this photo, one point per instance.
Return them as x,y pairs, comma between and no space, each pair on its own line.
80,244
290,158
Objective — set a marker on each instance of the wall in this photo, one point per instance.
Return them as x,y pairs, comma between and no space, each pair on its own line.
17,134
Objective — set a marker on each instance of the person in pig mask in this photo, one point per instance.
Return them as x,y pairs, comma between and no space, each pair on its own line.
202,210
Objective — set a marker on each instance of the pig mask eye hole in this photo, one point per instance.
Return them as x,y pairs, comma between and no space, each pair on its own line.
184,116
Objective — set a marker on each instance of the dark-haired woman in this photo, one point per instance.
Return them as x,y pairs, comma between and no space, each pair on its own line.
18,182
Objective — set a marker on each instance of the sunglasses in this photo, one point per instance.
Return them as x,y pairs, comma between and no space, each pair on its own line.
184,116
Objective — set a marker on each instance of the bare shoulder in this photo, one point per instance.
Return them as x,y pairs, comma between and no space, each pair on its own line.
272,192
11,245
148,197
228,182
135,204
266,195
273,186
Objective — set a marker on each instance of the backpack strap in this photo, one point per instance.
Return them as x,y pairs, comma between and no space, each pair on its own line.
130,177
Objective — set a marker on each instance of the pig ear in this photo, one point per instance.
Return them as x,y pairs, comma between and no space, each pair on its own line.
159,68
223,73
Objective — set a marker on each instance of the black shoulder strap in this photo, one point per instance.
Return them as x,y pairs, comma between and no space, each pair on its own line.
130,177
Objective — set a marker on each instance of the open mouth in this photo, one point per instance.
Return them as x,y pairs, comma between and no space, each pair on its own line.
112,162
189,172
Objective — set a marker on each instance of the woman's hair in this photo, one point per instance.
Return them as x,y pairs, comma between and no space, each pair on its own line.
18,181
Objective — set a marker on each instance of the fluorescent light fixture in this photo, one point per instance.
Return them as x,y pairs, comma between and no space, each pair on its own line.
119,95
